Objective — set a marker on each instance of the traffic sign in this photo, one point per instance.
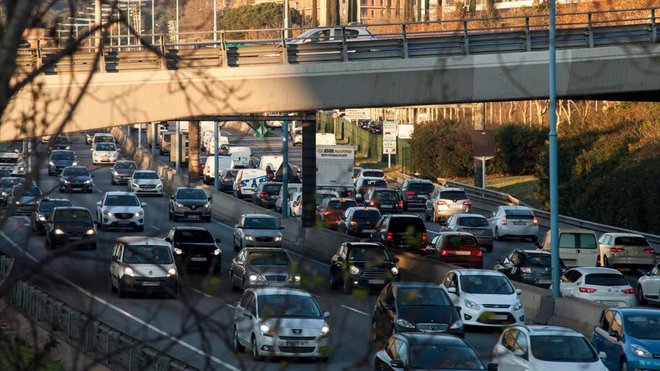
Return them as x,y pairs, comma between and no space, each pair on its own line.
389,137
260,132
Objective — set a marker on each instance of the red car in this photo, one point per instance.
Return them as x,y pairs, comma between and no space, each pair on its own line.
331,210
458,248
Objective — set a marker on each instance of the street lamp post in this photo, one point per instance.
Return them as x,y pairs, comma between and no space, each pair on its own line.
286,19
177,21
215,20
552,136
153,23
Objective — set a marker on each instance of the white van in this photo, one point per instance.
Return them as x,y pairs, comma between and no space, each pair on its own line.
247,181
102,137
241,156
577,247
293,188
224,163
210,144
272,161
325,139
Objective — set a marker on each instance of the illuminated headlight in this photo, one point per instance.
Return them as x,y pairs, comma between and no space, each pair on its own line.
171,272
207,205
394,270
640,351
518,306
178,251
114,172
256,277
139,213
41,218
294,278
217,252
472,305
4,194
90,232
88,181
456,325
354,270
18,202
159,185
107,213
134,185
278,238
325,330
129,271
403,323
21,168
51,163
249,238
75,163
66,181
67,147
58,231
266,330
178,204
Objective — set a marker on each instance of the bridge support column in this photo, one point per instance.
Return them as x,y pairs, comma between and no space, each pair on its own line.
309,172
193,159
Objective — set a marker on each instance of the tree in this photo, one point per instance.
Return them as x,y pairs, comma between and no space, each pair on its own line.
260,16
442,149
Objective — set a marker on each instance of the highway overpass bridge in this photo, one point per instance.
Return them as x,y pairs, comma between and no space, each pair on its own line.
132,84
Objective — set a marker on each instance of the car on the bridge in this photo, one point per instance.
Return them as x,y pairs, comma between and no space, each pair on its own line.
606,286
369,173
102,138
195,248
419,351
190,203
532,267
404,231
59,159
266,194
24,201
6,186
247,181
71,227
44,209
514,221
122,171
143,264
120,210
104,153
262,266
545,348
386,200
415,192
146,182
257,230
76,178
414,307
332,35
475,224
165,143
330,211
292,189
445,202
487,298
625,250
297,136
295,205
359,221
457,248
282,322
362,264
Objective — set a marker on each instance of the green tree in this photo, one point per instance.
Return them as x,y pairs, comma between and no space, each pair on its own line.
442,149
253,17
518,148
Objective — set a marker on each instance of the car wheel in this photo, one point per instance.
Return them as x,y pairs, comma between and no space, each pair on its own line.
102,227
640,296
238,347
348,286
255,349
113,182
233,282
49,245
207,219
120,291
175,218
535,239
497,234
173,293
374,332
169,214
333,283
113,289
236,247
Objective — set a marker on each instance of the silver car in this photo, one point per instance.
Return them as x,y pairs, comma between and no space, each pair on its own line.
514,221
281,322
625,250
262,266
445,202
145,182
475,224
257,230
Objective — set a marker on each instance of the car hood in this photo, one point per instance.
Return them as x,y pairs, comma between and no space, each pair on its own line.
287,326
369,265
62,162
263,232
651,345
73,227
511,299
192,202
568,366
25,200
125,172
104,153
76,178
147,181
122,209
427,314
151,270
268,269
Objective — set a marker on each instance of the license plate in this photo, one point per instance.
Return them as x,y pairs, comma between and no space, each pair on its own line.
544,282
193,216
297,343
520,223
386,206
368,230
148,283
123,222
198,258
376,282
499,317
462,253
75,238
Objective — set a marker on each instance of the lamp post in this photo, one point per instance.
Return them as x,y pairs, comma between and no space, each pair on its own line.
177,21
286,19
552,137
215,20
153,23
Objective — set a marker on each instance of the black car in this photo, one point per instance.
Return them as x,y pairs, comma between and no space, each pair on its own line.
414,307
76,178
24,199
403,231
6,186
195,248
5,173
59,142
532,267
363,124
266,194
122,171
44,209
362,264
226,182
376,127
59,159
415,192
190,203
359,221
71,227
414,351
386,200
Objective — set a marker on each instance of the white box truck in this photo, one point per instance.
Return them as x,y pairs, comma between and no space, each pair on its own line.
224,163
334,169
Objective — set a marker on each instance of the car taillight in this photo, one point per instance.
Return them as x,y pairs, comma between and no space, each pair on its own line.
353,222
424,236
535,221
327,213
263,195
296,203
587,290
410,193
440,202
349,193
363,188
649,251
444,252
478,253
372,203
389,236
628,291
504,220
400,205
526,269
467,203
225,179
617,249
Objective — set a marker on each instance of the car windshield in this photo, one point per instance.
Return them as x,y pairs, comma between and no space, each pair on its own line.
268,258
10,182
104,138
122,200
260,223
105,146
472,221
193,235
147,254
643,325
320,196
421,187
292,306
368,254
605,279
48,206
577,241
461,241
444,357
631,241
61,140
191,194
453,195
341,204
125,165
422,296
558,348
486,284
32,191
386,196
167,137
75,171
374,183
370,216
538,260
145,175
230,174
73,216
62,156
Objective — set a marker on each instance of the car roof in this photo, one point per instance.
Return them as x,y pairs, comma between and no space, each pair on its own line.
47,199
470,216
535,252
547,330
254,215
477,272
61,150
145,240
72,208
575,230
622,234
422,338
365,208
189,228
417,180
75,167
592,270
123,160
454,233
443,189
400,216
515,207
366,244
634,311
413,285
363,178
265,249
279,291
145,171
120,193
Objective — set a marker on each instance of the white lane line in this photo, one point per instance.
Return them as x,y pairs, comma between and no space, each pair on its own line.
156,228
202,293
223,225
355,310
231,306
123,312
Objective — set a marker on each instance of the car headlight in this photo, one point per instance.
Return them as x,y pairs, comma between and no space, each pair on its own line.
139,213
249,238
178,251
266,330
159,185
115,154
129,271
51,163
75,163
21,168
89,232
518,306
114,172
171,272
58,231
41,218
88,181
108,213
278,238
256,277
325,330
178,204
217,252
4,194
472,305
294,278
134,185
67,147
354,270
394,270
640,351
207,205
66,181
456,325
404,323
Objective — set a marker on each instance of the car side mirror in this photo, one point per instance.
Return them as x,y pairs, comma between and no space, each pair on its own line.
614,334
143,204
518,292
98,203
602,355
167,239
326,314
538,246
492,367
396,260
217,240
519,353
451,290
281,227
210,199
396,363
238,227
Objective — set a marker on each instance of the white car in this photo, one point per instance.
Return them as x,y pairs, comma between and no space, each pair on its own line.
120,210
606,286
281,322
514,221
104,153
545,348
369,173
625,250
145,182
333,35
295,205
486,298
297,136
648,286
293,189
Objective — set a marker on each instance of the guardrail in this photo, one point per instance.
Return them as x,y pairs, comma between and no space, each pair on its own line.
394,41
91,336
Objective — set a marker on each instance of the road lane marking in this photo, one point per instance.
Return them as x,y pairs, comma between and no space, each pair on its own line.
202,293
231,306
156,228
123,312
355,310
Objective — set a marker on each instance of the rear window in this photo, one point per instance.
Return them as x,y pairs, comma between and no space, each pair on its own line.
341,205
471,221
460,241
373,173
370,215
577,241
453,195
631,241
375,183
398,225
272,188
606,279
538,260
386,196
519,214
421,187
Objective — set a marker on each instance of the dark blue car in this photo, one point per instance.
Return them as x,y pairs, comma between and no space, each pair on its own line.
630,338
